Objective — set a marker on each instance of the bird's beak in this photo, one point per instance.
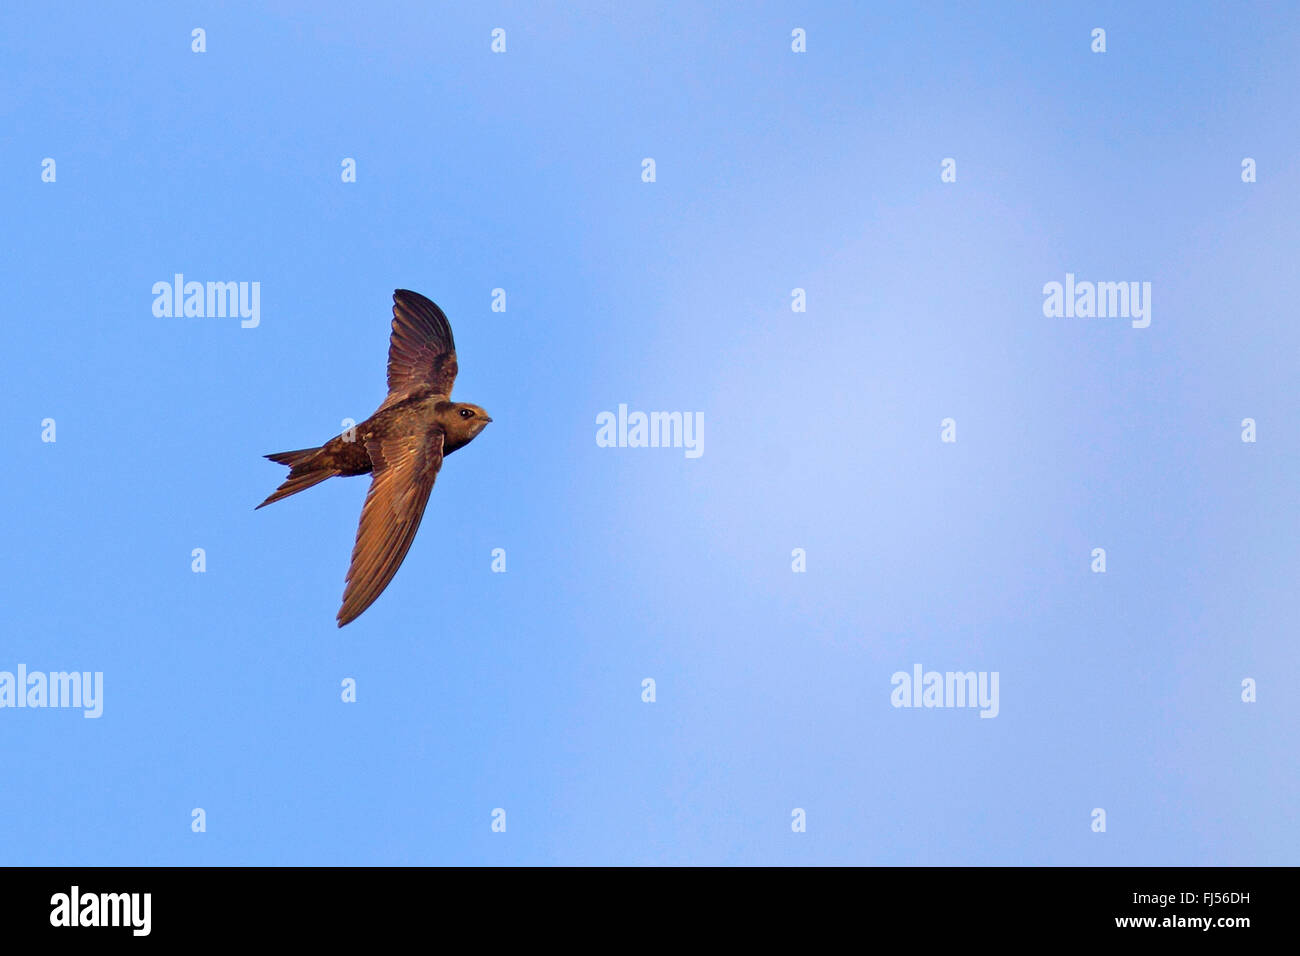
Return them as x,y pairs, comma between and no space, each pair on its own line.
489,418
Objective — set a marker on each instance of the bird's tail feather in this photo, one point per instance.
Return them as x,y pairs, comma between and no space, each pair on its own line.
292,458
301,473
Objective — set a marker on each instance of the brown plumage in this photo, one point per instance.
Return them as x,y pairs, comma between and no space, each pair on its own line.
402,445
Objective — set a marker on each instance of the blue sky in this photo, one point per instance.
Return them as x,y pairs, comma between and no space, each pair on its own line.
775,170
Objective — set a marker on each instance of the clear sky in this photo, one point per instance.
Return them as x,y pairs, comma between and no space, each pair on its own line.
773,171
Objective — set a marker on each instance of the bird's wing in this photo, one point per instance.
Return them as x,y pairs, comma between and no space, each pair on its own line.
406,464
421,350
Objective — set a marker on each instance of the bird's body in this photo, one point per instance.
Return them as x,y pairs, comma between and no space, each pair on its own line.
402,444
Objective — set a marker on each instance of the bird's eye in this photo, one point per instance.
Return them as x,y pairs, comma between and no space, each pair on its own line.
466,413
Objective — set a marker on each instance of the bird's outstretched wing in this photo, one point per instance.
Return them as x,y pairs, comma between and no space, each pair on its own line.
421,350
406,464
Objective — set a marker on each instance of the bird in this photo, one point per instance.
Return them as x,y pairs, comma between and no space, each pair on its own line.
401,446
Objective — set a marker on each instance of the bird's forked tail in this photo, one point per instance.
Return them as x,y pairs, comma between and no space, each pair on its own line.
302,475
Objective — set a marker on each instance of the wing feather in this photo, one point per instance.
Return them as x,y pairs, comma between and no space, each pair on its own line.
421,350
406,465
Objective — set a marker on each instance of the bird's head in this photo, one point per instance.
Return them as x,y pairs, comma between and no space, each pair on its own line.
461,422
